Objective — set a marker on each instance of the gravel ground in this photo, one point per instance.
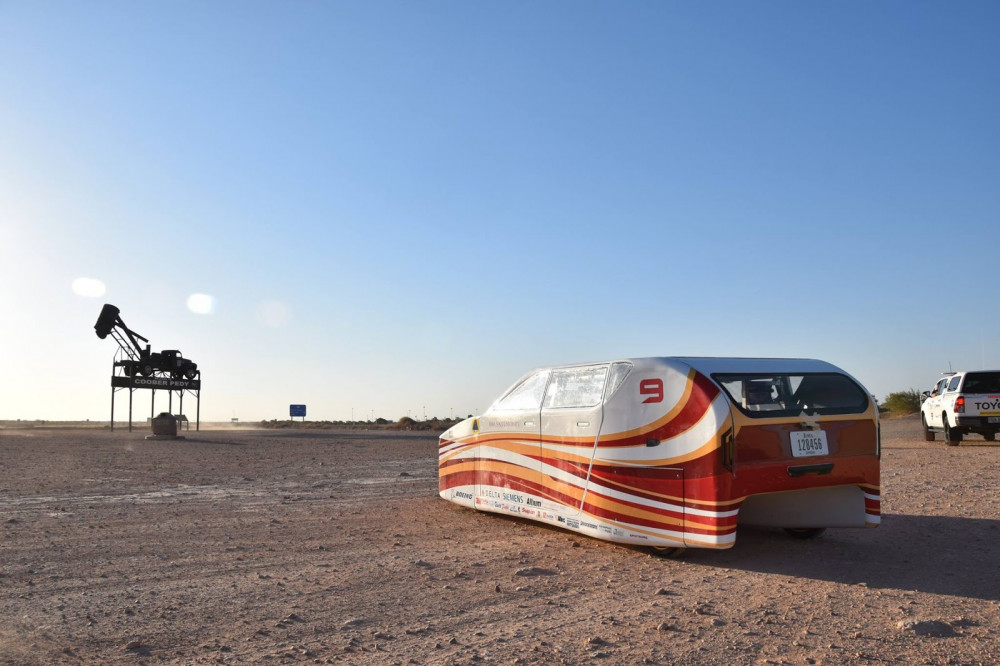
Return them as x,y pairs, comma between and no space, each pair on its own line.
255,546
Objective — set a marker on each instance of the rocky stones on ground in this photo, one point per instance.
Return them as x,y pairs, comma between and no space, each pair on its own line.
933,628
535,571
239,554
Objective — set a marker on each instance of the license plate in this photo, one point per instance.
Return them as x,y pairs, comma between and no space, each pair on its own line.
993,419
808,443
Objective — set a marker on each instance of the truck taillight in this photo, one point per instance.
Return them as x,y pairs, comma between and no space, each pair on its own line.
960,405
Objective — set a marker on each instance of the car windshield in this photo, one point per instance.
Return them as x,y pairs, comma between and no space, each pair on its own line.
982,382
770,395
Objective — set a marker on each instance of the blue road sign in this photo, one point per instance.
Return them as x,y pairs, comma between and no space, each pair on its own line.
297,410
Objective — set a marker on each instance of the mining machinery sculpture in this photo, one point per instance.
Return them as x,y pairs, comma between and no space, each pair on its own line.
139,360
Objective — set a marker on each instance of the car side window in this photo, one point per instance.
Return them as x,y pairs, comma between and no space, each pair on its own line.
576,387
953,386
619,371
526,395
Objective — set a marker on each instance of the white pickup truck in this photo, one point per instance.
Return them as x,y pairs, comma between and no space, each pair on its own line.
962,403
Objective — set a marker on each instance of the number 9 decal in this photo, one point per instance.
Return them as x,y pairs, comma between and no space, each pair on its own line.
653,388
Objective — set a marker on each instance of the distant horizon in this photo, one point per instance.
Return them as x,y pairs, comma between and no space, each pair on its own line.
146,418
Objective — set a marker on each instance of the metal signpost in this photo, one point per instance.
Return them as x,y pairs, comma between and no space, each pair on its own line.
154,383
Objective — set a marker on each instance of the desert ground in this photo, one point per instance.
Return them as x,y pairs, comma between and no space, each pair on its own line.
257,546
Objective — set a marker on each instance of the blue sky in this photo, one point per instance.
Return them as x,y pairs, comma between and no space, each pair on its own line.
399,208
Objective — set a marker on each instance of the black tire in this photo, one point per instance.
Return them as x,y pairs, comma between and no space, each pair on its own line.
989,436
146,370
805,532
928,433
191,374
668,552
952,436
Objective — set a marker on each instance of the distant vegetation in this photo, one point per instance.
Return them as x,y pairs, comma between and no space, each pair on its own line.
902,403
405,423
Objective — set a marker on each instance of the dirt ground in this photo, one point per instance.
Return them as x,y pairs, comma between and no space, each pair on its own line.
256,546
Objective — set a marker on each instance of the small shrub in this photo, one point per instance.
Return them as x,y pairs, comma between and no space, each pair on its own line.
903,402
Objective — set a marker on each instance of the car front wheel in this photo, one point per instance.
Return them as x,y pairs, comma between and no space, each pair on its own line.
667,551
928,433
805,532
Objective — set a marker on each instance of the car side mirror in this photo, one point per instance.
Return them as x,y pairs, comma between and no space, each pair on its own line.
925,395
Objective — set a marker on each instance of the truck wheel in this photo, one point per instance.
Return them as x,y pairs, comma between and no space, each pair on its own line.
928,433
951,436
805,532
146,370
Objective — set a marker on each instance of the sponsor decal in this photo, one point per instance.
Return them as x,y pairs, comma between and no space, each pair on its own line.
507,497
561,519
573,523
589,526
528,512
605,529
504,423
533,502
475,425
463,495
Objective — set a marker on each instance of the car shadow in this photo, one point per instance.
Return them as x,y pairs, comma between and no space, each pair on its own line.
933,554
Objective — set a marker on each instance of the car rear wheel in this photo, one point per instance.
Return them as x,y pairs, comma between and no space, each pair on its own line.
951,436
928,433
805,532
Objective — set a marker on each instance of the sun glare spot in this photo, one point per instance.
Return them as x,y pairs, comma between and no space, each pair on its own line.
274,314
89,287
201,304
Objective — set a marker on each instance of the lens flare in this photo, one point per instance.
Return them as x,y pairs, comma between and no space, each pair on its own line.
201,304
88,287
274,314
